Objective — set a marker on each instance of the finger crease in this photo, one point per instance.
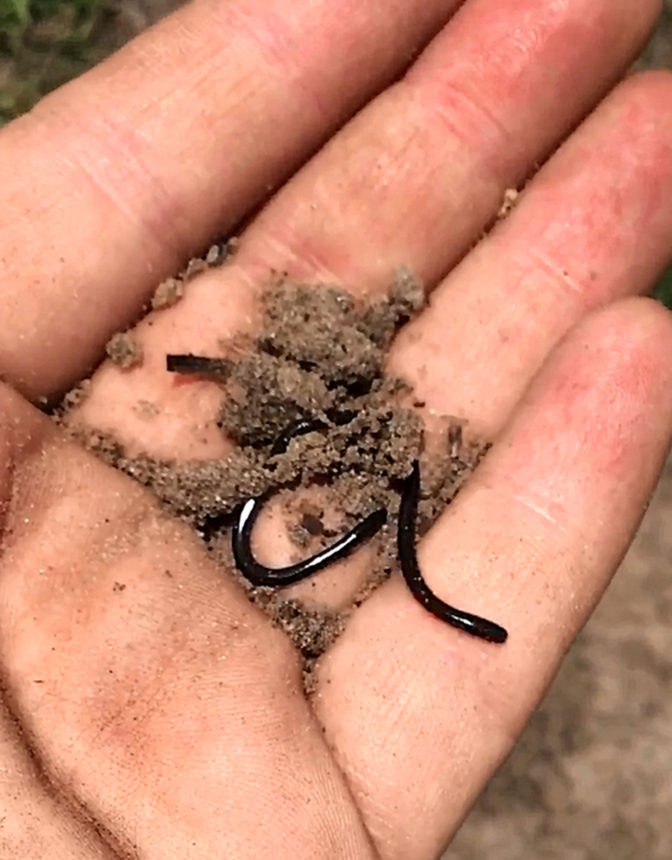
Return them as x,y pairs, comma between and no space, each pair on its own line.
112,174
283,53
468,120
559,275
60,795
305,262
541,510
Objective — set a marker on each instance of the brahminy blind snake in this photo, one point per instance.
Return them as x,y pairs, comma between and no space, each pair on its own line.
414,579
259,574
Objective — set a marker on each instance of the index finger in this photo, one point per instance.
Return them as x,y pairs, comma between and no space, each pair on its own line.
113,181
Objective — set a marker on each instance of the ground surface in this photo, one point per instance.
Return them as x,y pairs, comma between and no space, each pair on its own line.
590,777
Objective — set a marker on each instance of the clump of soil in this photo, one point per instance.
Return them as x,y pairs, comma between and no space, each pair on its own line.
170,291
71,400
167,294
318,356
509,203
311,630
124,350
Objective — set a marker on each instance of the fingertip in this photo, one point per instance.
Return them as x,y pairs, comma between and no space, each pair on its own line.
656,83
646,95
641,312
586,444
634,337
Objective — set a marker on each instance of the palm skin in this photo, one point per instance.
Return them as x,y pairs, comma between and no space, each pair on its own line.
148,709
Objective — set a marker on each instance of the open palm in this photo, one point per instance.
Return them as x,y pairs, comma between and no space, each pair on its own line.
148,709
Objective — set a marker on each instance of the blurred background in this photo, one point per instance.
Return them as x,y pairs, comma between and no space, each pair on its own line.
591,777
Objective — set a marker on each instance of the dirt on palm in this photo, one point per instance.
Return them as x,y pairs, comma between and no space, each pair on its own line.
319,356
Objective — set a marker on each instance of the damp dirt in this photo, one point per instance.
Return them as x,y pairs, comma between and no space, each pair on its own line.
170,291
124,350
319,355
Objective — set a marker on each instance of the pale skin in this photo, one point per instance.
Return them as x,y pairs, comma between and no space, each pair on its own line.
148,710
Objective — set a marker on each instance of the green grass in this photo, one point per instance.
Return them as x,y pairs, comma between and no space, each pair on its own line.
43,44
663,290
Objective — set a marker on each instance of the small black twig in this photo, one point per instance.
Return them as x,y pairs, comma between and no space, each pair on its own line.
196,364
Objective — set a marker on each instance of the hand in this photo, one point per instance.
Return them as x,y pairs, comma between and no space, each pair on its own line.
148,709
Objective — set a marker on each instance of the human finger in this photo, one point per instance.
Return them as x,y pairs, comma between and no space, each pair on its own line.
419,715
587,230
112,181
